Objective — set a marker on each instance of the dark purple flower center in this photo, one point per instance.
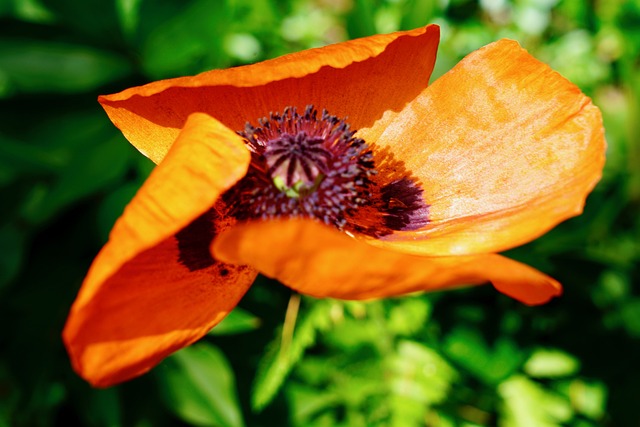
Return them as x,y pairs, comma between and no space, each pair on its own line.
311,165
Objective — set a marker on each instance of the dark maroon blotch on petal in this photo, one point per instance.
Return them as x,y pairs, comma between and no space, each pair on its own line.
403,206
194,241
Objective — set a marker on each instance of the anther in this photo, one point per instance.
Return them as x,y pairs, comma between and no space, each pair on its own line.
311,165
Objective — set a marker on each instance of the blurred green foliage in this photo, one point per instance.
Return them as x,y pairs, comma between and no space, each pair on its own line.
463,358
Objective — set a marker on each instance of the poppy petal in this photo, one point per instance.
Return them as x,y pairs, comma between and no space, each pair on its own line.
151,307
140,300
322,262
360,79
503,147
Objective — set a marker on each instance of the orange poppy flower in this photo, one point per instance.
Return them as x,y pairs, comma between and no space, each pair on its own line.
433,184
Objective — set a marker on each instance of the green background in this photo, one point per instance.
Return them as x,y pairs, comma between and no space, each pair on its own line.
470,357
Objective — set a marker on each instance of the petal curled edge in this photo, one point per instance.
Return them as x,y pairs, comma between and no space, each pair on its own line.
322,262
360,79
138,302
504,148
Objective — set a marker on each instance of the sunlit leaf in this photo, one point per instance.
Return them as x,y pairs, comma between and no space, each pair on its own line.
526,404
489,364
306,402
588,398
349,334
573,56
416,12
277,363
409,316
421,378
242,46
236,322
361,20
198,385
550,363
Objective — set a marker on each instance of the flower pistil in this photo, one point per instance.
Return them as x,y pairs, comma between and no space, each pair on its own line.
311,165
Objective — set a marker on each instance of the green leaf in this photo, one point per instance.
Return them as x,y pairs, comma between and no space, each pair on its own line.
573,56
112,207
34,66
613,286
491,365
24,157
418,12
526,404
94,20
349,334
276,363
198,385
90,169
630,315
421,378
236,322
550,363
7,174
306,402
66,131
361,19
128,15
409,316
12,248
588,398
242,46
190,42
30,11
103,406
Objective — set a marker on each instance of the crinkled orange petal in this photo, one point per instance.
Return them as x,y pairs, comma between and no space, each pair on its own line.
139,302
317,260
360,79
504,148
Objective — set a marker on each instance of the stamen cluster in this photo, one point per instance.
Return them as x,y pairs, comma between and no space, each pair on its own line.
303,165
